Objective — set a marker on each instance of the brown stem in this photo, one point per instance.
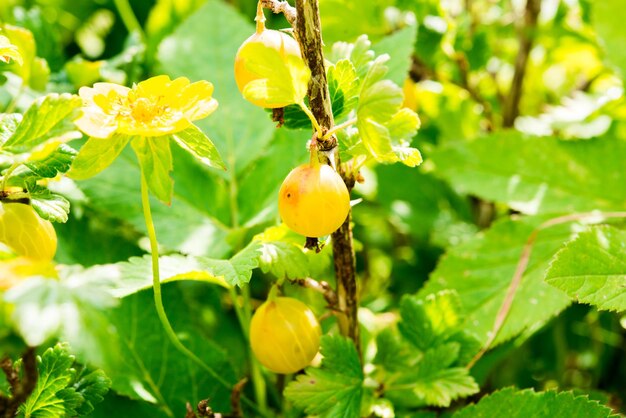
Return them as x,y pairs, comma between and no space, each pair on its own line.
309,35
522,264
526,39
235,397
321,287
463,64
20,388
277,6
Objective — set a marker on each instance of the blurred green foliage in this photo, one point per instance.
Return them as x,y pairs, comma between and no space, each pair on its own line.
452,229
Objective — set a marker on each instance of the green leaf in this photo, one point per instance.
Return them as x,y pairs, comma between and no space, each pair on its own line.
399,45
336,388
343,86
592,268
346,20
9,52
50,206
51,398
135,274
433,382
282,77
435,211
538,175
96,155
283,258
385,128
430,321
237,271
481,269
34,71
155,160
512,403
359,53
610,26
376,139
195,142
47,119
391,353
151,369
92,388
74,311
379,100
8,124
57,162
408,156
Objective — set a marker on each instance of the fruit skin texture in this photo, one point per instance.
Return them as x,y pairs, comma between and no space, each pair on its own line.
24,232
285,335
313,200
272,39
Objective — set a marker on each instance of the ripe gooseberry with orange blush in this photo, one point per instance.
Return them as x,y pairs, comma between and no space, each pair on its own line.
313,200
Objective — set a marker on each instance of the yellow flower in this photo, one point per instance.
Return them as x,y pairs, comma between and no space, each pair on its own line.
155,107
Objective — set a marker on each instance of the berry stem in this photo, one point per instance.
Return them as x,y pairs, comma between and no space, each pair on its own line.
7,174
128,17
338,128
316,125
260,18
273,293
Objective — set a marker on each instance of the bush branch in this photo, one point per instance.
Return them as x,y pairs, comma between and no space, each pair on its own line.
20,388
309,35
277,6
526,39
321,287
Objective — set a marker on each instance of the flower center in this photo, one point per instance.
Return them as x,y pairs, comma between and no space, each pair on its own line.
144,110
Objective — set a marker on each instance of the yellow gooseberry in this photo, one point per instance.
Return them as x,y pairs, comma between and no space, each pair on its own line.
284,335
271,40
25,233
313,200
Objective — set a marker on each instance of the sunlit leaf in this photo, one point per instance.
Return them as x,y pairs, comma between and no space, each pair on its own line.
592,268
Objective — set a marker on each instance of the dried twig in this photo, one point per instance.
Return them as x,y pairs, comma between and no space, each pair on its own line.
463,64
20,388
235,396
522,264
321,287
277,6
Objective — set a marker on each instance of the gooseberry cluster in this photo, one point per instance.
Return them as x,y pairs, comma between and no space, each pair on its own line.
313,199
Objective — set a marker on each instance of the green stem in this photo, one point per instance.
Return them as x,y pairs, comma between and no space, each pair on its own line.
158,298
273,293
8,173
260,388
314,122
338,128
260,18
13,103
128,17
244,313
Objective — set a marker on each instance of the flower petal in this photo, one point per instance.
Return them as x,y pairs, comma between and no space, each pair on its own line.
195,100
95,123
